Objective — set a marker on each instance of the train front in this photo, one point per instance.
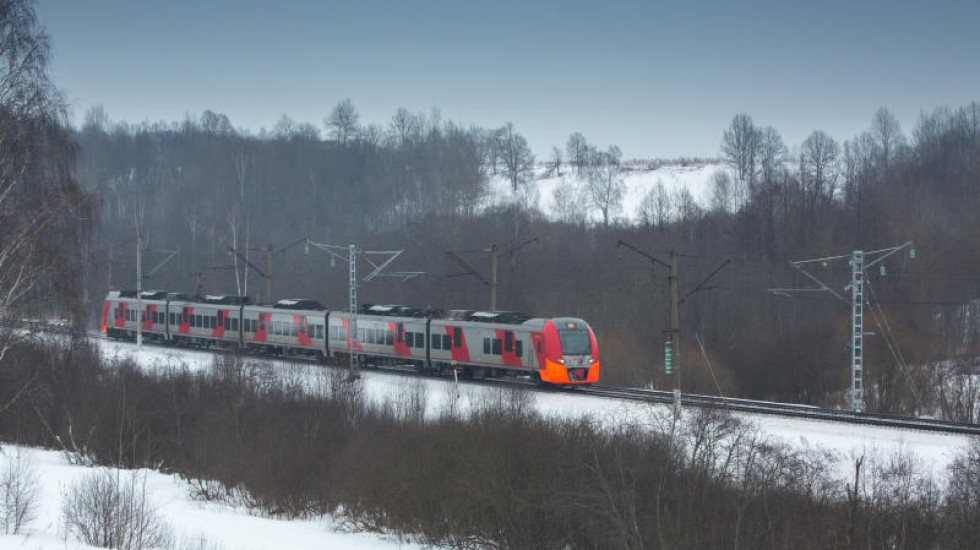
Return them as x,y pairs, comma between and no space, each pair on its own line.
570,354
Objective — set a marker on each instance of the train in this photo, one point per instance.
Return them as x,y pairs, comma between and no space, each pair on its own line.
559,351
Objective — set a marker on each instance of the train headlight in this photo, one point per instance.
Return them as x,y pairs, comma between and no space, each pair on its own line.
561,361
591,360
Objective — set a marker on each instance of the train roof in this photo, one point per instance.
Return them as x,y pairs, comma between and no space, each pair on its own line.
225,299
505,317
299,303
391,310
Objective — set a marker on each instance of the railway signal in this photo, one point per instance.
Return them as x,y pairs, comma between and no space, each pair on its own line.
672,346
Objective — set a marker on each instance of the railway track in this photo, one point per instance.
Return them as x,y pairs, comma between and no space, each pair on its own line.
789,410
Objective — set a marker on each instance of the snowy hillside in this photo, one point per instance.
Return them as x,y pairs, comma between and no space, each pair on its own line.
639,178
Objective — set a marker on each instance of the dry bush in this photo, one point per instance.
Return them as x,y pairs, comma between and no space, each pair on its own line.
107,512
19,487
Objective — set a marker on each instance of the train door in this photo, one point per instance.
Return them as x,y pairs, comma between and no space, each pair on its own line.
458,351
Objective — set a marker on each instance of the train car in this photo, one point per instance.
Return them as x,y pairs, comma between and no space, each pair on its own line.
120,314
555,351
386,334
211,321
289,328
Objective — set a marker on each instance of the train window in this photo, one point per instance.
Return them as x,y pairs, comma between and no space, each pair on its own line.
221,319
508,341
519,348
261,323
173,319
419,340
192,322
447,342
293,329
496,346
234,325
389,338
436,342
400,331
381,336
539,347
458,337
319,331
486,346
410,339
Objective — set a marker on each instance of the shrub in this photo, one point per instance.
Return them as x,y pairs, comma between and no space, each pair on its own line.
103,511
19,486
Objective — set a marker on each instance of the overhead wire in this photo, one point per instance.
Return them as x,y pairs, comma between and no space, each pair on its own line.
890,340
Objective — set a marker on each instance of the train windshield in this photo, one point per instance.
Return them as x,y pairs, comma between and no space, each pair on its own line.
575,341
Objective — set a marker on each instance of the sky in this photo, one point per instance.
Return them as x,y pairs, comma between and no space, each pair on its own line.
657,79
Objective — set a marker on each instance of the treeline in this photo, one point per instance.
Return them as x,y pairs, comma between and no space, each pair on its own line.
288,445
420,184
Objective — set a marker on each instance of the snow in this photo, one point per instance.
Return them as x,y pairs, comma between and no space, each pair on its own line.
639,178
224,526
221,526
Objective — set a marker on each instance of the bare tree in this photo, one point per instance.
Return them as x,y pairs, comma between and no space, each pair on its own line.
285,128
655,208
887,134
604,184
19,491
577,149
772,155
517,157
343,122
722,191
570,203
740,147
216,123
406,127
818,166
556,161
44,215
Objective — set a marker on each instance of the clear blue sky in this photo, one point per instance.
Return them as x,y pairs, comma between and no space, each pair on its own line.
658,79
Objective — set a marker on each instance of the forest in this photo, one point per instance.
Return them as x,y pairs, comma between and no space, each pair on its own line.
236,205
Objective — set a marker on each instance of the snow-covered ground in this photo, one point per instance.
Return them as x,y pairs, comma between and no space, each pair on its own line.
210,525
638,177
198,525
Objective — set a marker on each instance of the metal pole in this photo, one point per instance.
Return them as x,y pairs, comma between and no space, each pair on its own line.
857,331
139,288
675,332
268,274
493,279
110,267
352,325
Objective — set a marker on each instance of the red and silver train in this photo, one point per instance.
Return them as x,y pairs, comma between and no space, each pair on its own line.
559,350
